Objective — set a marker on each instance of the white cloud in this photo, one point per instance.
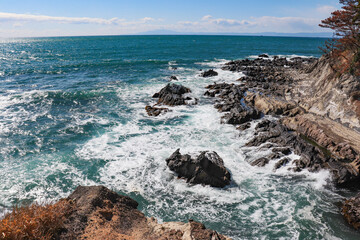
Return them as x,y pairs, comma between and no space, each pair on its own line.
147,19
224,21
260,24
325,9
43,18
28,25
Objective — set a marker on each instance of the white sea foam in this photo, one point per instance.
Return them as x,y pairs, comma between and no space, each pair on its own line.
136,150
288,57
263,201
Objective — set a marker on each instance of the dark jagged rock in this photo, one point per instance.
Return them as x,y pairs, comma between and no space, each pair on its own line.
260,162
173,94
283,150
244,126
173,78
155,111
281,163
241,115
208,168
263,56
209,73
350,209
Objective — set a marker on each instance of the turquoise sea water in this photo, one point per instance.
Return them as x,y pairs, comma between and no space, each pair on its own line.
72,112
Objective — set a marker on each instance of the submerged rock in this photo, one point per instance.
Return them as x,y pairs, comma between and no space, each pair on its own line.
99,213
173,78
208,168
209,73
155,111
174,94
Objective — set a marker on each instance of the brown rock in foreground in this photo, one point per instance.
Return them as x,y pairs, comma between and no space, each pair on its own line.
99,213
351,211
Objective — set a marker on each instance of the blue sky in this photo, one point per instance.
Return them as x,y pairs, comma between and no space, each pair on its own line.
27,18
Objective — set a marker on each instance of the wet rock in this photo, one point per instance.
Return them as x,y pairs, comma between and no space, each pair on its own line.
283,150
174,94
209,73
244,126
155,111
281,163
207,168
240,115
263,56
350,209
173,78
260,162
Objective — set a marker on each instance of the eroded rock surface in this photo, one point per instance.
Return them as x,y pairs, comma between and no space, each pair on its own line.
99,213
351,211
289,90
207,168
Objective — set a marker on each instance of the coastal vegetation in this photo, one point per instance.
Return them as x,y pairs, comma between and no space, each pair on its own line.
344,49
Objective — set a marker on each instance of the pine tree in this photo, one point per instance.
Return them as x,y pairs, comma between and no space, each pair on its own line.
344,49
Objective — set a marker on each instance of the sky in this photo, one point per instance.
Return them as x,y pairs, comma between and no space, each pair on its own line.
38,18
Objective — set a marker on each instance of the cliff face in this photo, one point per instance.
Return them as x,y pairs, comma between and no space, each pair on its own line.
321,91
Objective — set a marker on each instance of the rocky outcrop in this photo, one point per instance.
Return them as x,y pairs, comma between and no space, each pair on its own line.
289,90
173,78
155,111
231,101
272,105
174,94
339,140
207,168
321,91
99,213
350,209
209,73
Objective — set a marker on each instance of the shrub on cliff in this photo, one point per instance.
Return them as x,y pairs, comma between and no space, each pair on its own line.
35,221
344,49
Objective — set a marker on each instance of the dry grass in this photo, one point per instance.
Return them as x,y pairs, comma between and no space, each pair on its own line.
35,221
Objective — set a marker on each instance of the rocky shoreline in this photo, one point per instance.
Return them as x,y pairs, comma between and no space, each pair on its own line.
315,115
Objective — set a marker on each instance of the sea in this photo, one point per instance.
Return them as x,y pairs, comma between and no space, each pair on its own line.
72,113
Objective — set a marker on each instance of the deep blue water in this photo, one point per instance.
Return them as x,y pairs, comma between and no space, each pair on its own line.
72,112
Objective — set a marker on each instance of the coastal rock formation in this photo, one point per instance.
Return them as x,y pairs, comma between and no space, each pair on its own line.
173,78
207,168
174,94
350,209
99,213
155,111
289,90
336,138
319,90
272,105
209,73
231,101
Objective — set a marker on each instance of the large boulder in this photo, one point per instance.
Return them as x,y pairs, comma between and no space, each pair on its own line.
207,168
174,94
209,73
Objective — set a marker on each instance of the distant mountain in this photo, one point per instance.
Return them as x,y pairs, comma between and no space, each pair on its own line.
267,34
